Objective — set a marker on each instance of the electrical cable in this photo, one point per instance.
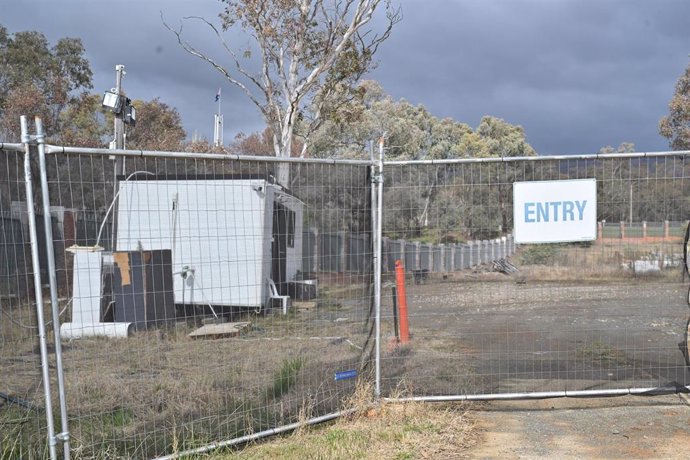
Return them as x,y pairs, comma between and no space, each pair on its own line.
18,323
112,203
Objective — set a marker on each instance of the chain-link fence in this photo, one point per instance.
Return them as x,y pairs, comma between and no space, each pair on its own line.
202,303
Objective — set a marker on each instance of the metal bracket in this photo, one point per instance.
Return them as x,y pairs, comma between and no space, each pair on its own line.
62,437
32,139
377,178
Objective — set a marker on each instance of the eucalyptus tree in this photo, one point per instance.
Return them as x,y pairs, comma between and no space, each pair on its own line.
676,125
311,53
37,78
159,127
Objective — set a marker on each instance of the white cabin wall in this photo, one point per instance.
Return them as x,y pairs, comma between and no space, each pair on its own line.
220,233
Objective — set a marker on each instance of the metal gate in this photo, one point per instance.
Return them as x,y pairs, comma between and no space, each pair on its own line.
608,316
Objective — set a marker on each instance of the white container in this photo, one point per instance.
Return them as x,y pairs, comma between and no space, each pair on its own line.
221,234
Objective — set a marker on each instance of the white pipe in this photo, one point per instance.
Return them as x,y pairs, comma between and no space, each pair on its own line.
535,395
11,147
53,149
377,266
70,331
259,435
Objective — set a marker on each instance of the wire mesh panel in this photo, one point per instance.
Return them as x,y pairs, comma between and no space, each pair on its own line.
609,314
196,310
23,431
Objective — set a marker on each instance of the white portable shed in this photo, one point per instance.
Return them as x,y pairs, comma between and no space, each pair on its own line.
228,237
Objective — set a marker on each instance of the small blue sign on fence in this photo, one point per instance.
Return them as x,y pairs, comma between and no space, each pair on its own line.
346,375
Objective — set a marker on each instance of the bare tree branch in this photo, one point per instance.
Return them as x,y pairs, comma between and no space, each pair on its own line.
227,48
194,52
312,53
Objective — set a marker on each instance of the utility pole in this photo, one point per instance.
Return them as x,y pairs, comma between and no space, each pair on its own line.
124,113
119,128
119,118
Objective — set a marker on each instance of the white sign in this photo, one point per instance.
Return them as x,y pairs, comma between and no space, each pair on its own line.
555,211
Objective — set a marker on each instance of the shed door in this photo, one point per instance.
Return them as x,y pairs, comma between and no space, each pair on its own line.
283,237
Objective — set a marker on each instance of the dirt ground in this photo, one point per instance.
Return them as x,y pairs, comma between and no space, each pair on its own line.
625,427
475,336
528,337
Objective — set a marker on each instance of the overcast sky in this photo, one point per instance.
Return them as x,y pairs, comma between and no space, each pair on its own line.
576,74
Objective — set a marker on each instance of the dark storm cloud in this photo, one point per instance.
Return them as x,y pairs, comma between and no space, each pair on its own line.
577,75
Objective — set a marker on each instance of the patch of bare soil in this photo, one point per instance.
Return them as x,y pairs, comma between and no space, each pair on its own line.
625,427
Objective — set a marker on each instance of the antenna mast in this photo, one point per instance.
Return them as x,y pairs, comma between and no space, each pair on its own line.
218,124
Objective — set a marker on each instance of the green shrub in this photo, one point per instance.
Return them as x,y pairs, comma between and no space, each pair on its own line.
540,254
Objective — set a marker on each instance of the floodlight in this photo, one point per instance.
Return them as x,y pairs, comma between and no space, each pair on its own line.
112,101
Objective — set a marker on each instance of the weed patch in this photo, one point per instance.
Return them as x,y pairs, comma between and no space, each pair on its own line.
286,377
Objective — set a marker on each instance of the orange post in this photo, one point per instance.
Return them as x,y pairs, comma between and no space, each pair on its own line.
402,302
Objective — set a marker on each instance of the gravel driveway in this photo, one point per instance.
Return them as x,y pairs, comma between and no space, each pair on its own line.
625,427
487,337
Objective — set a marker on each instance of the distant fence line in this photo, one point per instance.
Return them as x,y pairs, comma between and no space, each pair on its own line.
342,252
650,231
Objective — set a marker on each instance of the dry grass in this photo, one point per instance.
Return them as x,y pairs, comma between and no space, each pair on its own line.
160,391
595,262
20,377
391,430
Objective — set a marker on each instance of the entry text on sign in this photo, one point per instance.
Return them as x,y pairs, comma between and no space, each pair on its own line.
555,211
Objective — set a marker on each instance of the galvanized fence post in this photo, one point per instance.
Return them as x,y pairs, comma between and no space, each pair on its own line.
52,279
378,235
36,267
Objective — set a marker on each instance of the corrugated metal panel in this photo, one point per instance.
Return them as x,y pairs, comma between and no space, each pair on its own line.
358,254
437,261
331,248
425,257
410,256
395,249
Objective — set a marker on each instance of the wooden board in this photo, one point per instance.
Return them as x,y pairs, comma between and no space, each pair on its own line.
304,304
215,331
